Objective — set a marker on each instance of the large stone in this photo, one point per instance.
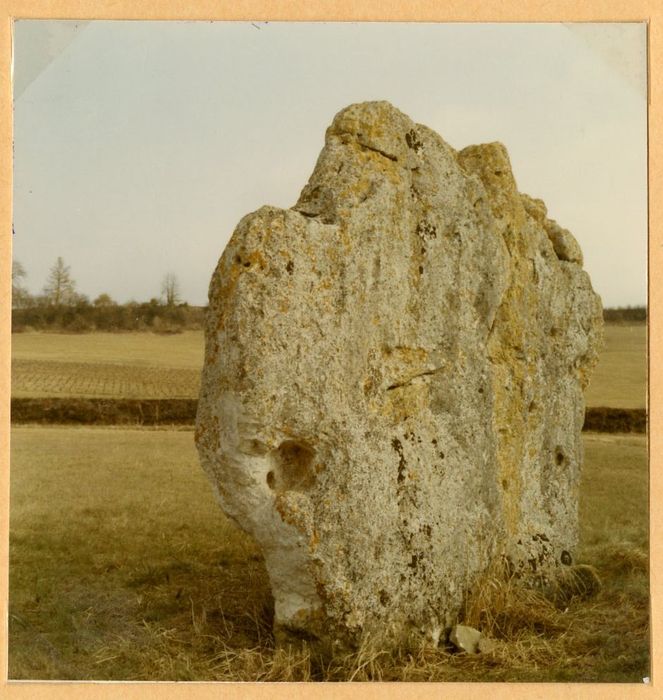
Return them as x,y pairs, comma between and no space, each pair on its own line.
392,391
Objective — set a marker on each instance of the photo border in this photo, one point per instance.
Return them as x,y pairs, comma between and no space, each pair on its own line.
650,11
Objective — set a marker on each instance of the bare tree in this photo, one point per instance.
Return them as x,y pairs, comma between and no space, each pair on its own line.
170,289
20,295
60,288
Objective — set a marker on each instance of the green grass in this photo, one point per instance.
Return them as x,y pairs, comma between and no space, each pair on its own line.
122,566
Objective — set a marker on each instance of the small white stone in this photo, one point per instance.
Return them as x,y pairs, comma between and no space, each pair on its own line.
465,638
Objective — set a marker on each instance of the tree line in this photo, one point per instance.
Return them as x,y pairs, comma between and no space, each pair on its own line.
61,307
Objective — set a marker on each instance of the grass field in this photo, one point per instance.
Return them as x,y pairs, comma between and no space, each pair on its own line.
37,378
122,566
620,378
176,351
107,365
146,365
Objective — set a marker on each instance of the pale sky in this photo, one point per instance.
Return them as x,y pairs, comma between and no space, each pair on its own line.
140,145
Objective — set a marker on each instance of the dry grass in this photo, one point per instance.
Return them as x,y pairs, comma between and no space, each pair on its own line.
180,350
122,566
107,365
619,380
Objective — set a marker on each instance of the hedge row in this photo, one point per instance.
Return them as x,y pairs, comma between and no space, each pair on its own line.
104,411
183,412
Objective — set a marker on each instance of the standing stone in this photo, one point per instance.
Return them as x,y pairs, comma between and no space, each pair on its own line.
392,391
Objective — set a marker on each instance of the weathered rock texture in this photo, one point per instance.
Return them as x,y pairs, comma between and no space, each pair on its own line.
392,391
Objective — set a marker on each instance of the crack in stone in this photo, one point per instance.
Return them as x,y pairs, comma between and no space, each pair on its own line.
377,150
405,382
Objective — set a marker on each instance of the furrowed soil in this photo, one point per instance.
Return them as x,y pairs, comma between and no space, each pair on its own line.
122,566
107,365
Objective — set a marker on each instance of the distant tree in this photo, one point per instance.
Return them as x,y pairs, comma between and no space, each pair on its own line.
20,295
170,289
104,300
60,288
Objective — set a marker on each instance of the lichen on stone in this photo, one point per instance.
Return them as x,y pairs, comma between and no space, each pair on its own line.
392,391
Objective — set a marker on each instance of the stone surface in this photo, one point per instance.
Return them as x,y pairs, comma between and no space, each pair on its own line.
465,638
392,390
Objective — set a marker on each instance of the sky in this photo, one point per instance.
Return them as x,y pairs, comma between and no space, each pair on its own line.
140,145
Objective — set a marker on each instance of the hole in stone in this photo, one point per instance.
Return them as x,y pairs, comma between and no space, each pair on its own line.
271,480
559,457
247,264
481,390
532,406
238,259
293,466
505,484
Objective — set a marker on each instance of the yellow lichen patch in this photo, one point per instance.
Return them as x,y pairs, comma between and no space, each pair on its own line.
241,263
357,189
402,363
509,431
405,401
513,370
255,257
374,161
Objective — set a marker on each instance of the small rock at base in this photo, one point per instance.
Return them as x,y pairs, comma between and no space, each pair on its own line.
466,639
